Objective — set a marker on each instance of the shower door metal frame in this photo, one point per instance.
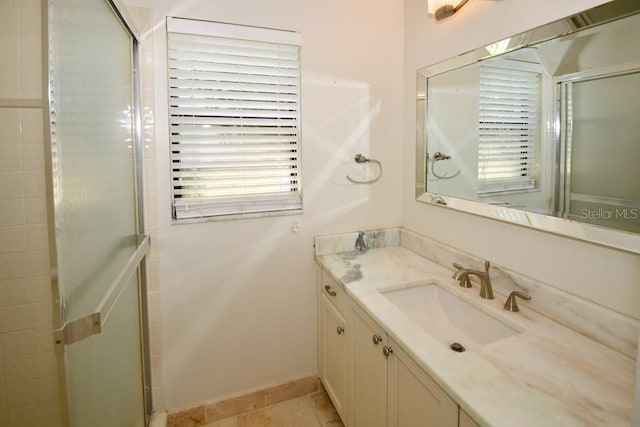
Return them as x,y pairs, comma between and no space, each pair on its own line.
89,328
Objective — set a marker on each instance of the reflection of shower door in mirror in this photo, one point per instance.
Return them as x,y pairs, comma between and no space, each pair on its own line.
99,253
602,150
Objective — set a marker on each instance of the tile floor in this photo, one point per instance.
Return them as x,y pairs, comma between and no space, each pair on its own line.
311,410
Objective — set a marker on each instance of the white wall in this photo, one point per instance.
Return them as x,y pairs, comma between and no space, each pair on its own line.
608,277
238,301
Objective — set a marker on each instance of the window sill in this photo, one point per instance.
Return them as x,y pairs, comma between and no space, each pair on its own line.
234,217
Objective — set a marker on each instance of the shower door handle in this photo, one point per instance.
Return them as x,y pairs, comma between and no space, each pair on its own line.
78,329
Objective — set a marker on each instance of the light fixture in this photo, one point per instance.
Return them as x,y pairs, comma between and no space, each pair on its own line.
443,8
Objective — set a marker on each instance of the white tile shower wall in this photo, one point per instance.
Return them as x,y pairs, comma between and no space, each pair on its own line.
20,48
143,20
28,374
29,392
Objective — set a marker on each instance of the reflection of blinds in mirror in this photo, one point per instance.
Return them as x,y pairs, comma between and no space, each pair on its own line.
508,129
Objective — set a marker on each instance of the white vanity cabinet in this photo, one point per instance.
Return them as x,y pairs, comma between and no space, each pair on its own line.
333,341
389,389
466,420
368,404
371,381
414,399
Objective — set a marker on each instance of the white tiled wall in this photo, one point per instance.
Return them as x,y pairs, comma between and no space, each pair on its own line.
28,376
20,49
143,18
29,390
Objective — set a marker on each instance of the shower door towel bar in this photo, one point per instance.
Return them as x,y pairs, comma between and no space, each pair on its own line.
91,324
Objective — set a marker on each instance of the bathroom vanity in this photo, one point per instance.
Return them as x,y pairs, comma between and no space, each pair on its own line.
384,363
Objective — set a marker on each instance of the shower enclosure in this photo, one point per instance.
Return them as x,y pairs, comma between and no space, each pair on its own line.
599,181
96,233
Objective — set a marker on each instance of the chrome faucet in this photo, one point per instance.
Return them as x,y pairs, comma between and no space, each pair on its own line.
462,275
361,245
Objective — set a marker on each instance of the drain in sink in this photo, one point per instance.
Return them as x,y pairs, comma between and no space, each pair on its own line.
457,347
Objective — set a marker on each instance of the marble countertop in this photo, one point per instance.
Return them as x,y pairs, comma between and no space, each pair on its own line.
547,375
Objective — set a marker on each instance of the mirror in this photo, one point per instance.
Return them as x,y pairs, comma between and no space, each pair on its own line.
541,129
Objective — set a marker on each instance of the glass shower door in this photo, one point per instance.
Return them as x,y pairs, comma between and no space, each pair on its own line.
98,247
602,150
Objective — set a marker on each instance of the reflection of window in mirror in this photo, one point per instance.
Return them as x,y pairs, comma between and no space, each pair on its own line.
509,130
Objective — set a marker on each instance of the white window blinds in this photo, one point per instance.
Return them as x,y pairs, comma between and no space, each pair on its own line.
509,129
234,96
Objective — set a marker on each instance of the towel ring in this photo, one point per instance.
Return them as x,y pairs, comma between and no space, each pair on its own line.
359,158
437,158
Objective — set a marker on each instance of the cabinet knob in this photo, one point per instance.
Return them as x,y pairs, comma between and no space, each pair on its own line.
386,350
329,291
377,339
340,330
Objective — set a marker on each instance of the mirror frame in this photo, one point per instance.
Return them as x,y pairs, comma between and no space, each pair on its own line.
614,238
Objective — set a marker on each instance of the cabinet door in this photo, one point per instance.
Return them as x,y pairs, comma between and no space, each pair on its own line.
466,420
369,370
415,400
334,355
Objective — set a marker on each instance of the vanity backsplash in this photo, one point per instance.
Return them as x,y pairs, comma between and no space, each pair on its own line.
606,326
338,243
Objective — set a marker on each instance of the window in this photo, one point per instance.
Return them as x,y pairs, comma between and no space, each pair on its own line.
509,129
234,119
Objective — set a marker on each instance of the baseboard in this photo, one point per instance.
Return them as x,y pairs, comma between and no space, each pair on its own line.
205,413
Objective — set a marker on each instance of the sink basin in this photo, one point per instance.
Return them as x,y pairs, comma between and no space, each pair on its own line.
447,317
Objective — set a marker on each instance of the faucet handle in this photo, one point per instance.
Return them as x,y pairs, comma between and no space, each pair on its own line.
512,304
461,275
